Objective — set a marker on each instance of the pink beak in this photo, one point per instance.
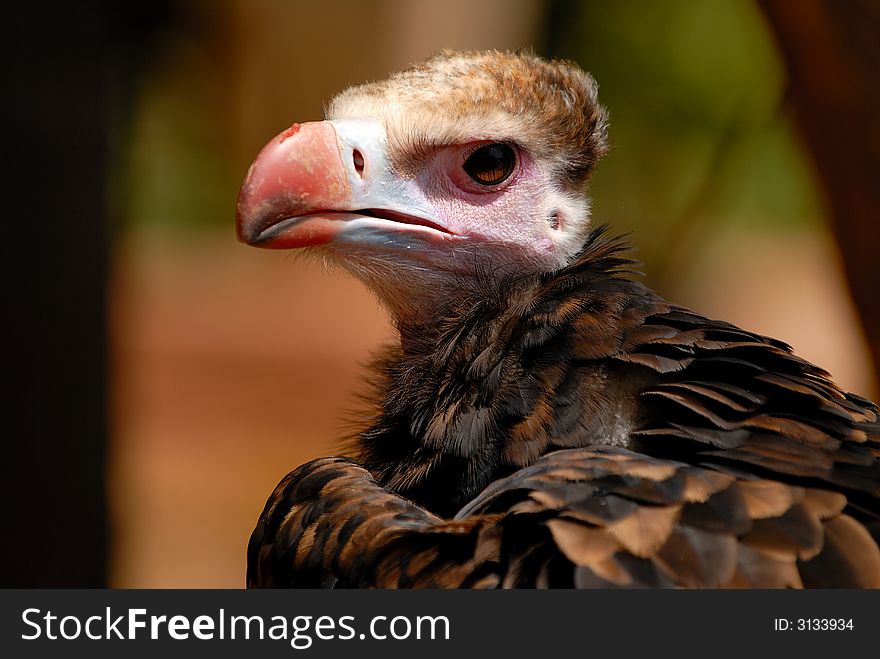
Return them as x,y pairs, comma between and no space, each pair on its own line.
294,190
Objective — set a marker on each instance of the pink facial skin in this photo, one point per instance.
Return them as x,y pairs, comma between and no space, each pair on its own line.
509,212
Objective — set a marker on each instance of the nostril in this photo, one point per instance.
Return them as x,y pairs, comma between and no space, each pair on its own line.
358,159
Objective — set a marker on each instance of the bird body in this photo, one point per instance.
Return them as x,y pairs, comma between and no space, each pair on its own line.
546,420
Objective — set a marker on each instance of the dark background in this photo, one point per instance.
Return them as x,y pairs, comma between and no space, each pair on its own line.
162,378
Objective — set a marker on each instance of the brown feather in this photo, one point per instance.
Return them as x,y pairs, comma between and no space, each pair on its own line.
694,453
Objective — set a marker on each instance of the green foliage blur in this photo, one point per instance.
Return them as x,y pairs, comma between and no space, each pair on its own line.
176,169
701,136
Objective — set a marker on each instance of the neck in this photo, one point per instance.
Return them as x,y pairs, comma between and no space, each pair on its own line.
452,405
421,298
431,432
419,308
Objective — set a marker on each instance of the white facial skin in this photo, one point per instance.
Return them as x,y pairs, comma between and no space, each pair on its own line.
421,237
520,226
523,224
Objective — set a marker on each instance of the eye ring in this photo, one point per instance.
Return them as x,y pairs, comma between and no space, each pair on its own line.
490,164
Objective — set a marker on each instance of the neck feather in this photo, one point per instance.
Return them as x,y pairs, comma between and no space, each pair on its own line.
464,399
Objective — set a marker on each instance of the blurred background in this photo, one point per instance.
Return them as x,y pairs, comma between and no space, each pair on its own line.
165,377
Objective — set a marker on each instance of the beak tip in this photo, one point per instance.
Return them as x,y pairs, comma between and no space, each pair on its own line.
245,224
297,173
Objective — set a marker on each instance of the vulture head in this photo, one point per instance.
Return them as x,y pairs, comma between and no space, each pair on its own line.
468,166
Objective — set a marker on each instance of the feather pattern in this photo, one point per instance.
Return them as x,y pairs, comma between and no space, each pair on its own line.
574,429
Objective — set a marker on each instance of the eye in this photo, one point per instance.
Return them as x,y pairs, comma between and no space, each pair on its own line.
490,164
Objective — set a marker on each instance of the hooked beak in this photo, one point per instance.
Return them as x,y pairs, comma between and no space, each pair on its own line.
329,181
296,175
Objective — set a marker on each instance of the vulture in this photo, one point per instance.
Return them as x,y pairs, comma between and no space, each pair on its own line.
545,419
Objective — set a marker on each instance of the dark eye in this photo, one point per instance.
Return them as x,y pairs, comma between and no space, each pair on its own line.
491,164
